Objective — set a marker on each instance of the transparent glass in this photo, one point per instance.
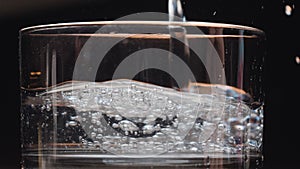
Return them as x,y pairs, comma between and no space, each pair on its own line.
141,94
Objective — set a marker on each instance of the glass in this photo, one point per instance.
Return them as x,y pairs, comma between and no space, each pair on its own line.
148,94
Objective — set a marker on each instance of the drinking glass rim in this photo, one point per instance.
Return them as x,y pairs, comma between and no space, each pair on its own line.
67,25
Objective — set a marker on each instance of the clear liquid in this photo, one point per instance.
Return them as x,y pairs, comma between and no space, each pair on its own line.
125,122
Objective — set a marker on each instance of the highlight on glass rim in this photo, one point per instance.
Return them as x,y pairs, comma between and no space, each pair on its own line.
160,92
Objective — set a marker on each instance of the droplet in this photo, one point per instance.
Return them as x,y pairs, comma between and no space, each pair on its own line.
289,10
297,59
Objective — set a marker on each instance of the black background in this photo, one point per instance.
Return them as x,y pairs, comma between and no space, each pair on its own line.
282,73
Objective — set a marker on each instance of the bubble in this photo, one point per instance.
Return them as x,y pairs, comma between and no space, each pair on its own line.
148,129
115,125
93,134
207,161
74,117
118,117
221,126
71,123
231,140
103,91
98,123
126,125
239,127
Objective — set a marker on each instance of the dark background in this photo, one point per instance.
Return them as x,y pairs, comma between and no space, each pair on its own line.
282,73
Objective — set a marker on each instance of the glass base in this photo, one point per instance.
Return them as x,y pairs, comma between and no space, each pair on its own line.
182,161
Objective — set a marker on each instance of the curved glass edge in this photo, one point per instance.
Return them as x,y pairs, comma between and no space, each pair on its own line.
37,28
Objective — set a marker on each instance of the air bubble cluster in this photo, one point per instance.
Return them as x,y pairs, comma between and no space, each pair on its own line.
129,117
